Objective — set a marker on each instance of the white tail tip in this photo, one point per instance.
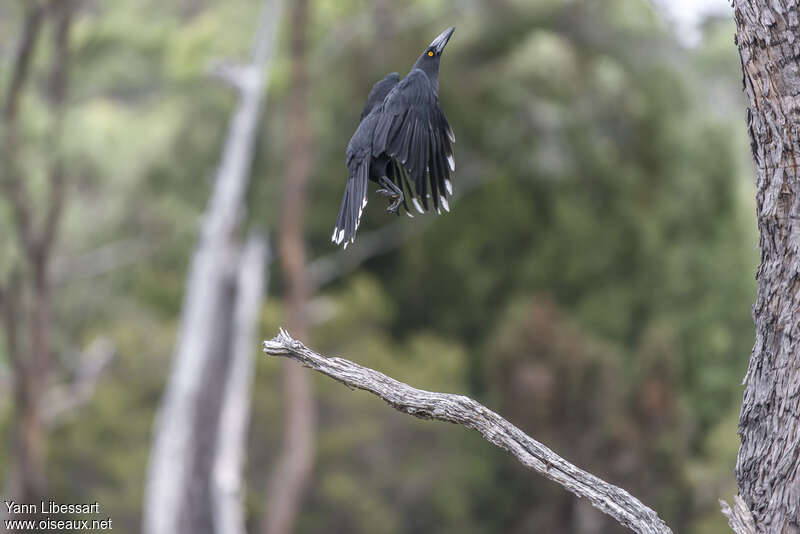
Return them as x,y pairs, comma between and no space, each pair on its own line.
338,235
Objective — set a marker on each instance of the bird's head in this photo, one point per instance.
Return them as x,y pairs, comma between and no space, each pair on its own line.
429,60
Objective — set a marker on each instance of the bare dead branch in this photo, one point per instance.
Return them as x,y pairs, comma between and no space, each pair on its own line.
462,410
739,517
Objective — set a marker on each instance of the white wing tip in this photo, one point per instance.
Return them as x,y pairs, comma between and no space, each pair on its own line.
449,185
444,203
417,205
452,162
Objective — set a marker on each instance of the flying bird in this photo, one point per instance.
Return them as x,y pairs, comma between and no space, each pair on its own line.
403,143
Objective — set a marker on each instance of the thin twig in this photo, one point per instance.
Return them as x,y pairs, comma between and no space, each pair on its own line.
462,410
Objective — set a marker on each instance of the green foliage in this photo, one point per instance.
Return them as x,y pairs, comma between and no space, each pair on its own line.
592,283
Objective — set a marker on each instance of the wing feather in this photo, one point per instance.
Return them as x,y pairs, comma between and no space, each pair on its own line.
379,91
413,130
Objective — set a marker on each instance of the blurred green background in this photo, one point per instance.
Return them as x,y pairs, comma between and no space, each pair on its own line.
592,283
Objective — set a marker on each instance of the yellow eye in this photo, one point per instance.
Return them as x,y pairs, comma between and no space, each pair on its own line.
430,53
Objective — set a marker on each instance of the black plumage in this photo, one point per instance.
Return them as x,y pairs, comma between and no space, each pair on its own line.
403,143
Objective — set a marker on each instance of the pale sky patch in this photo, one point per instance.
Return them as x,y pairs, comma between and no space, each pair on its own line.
687,15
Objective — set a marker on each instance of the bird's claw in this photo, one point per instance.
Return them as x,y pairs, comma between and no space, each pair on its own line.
394,207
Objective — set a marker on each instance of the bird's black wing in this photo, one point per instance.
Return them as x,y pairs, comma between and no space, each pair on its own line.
359,152
358,158
379,92
412,129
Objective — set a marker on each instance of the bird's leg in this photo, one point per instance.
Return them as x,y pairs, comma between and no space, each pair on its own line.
388,187
390,190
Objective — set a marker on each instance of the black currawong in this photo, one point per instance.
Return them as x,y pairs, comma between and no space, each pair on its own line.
403,143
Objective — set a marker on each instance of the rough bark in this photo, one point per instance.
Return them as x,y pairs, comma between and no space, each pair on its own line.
185,435
458,409
229,457
768,466
292,472
739,517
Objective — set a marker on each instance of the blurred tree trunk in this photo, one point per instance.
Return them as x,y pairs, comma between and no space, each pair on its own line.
183,480
768,467
292,472
27,298
227,486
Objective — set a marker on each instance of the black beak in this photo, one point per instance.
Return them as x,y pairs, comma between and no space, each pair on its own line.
440,42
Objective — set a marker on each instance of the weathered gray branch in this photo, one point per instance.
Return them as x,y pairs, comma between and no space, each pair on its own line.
462,410
739,517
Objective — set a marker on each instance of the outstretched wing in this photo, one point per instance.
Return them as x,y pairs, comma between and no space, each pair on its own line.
379,92
412,129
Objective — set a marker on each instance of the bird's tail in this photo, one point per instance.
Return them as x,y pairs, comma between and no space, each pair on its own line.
353,202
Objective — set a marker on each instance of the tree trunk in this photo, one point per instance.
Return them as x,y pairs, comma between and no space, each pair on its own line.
227,487
27,306
293,469
768,467
180,483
